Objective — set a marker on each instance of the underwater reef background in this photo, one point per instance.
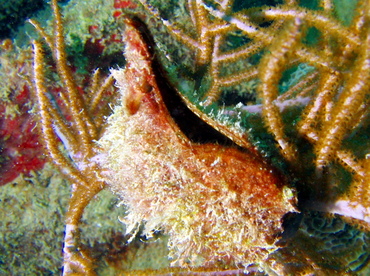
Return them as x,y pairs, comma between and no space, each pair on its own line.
34,195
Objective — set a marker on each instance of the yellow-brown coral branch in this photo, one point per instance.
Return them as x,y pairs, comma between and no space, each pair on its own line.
306,83
350,101
314,18
79,113
98,94
42,33
324,93
49,135
270,69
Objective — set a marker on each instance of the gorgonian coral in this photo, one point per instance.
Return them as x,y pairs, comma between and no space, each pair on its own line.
221,203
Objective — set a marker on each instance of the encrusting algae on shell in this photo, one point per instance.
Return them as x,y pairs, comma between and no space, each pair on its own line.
216,203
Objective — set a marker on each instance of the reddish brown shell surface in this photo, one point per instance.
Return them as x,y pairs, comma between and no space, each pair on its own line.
216,203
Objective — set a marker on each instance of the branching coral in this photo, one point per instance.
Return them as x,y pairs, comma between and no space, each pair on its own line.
221,206
77,135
